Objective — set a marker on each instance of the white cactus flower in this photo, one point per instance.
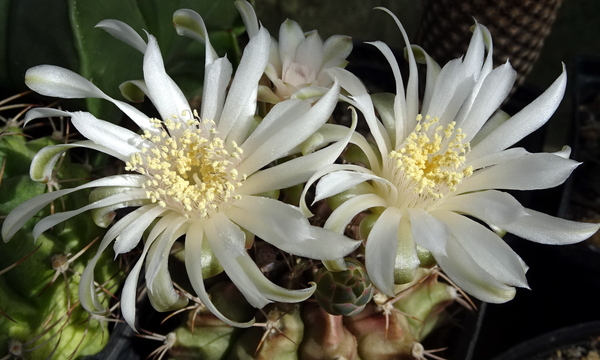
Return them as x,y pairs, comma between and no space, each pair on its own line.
298,63
440,164
199,174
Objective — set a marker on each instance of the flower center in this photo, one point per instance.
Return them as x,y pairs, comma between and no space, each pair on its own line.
188,168
431,160
298,75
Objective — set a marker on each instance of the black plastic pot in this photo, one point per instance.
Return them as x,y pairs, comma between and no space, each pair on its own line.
573,342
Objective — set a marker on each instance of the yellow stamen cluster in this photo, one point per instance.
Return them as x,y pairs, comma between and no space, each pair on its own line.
188,168
432,160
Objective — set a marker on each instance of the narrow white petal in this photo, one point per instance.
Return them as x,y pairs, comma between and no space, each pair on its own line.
322,172
272,220
339,219
297,170
473,59
193,250
51,220
291,136
529,172
324,245
130,237
488,250
42,165
22,213
336,47
290,36
162,90
464,272
546,229
88,295
310,53
494,207
334,183
494,90
248,17
267,287
161,292
43,112
227,242
384,104
189,23
497,158
361,100
433,70
531,118
216,79
134,90
108,135
55,81
279,117
493,122
123,32
380,250
242,93
429,232
129,293
412,86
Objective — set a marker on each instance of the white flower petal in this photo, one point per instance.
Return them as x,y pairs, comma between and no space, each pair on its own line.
493,122
339,219
267,287
494,90
193,249
524,122
162,90
494,207
42,165
272,220
428,232
88,295
227,242
361,100
473,59
466,274
129,293
336,47
241,99
51,220
279,117
324,171
161,293
546,229
248,17
290,36
488,250
310,53
189,23
130,236
55,81
108,135
380,250
216,79
334,183
293,172
529,172
42,112
292,135
22,213
412,86
497,158
123,32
